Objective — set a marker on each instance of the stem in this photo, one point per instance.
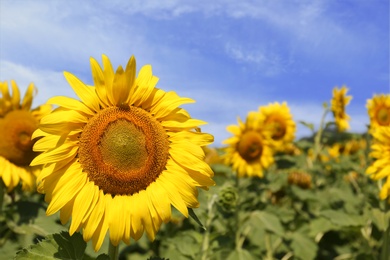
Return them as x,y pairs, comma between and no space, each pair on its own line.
268,247
317,138
385,253
2,192
206,237
236,216
113,251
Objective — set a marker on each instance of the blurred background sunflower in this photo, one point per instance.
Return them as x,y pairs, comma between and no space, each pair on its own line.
278,120
249,150
338,104
17,123
380,152
378,109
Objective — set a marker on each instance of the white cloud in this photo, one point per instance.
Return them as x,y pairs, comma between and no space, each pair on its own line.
268,62
47,82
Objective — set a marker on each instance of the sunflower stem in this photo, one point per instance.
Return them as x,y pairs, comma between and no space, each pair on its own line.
206,237
2,193
113,251
317,138
385,253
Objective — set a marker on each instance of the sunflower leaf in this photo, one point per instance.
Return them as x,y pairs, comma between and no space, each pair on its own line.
56,246
195,217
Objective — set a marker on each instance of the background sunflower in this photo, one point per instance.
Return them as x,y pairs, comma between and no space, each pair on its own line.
338,103
17,123
279,121
378,109
249,150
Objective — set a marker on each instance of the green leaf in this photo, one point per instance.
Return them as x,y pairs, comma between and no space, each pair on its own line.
240,254
103,257
303,247
308,125
269,221
321,225
380,220
195,217
56,246
342,219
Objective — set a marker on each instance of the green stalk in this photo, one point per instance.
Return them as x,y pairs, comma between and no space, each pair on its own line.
206,237
385,252
2,192
236,216
317,138
113,251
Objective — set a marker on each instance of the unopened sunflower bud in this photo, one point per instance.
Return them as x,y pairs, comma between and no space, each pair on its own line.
227,200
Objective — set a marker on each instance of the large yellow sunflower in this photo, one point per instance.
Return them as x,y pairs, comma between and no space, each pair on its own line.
278,120
378,109
119,158
338,103
380,151
249,150
17,123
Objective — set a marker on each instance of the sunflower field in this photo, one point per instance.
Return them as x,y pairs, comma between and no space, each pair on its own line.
126,173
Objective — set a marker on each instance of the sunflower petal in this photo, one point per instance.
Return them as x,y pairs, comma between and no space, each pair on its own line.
86,94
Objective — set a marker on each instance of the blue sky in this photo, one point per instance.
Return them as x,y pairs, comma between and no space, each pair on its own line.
230,56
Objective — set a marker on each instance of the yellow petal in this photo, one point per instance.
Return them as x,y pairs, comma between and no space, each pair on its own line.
71,104
67,150
28,97
85,93
95,217
68,185
15,95
115,218
197,138
63,117
99,81
190,123
108,78
121,87
85,200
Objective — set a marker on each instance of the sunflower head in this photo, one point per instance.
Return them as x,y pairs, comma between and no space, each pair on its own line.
338,104
277,119
248,150
380,152
378,109
121,156
300,179
17,124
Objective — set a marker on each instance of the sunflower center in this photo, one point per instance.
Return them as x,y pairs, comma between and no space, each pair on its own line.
383,116
123,150
250,146
278,130
16,129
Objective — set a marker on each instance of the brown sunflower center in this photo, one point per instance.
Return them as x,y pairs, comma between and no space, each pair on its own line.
383,116
250,146
16,129
123,150
278,128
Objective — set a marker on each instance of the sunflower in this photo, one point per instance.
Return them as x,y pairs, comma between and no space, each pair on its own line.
249,150
119,158
278,120
338,103
380,151
17,123
378,109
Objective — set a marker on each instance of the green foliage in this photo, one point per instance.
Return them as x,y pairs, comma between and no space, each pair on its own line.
335,214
